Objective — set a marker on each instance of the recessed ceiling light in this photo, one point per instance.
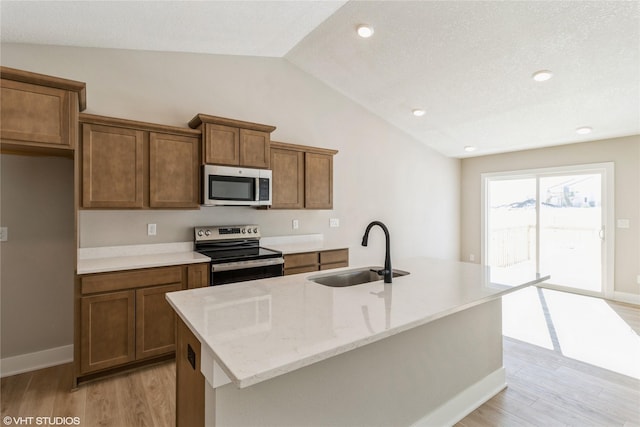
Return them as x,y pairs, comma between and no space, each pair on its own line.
418,112
542,75
470,148
365,31
584,130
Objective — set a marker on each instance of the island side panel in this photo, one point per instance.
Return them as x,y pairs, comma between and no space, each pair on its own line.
190,383
400,380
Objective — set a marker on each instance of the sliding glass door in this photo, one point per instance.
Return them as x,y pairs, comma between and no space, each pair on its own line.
553,219
571,230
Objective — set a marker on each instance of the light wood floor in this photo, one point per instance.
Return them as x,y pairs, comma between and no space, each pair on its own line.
545,389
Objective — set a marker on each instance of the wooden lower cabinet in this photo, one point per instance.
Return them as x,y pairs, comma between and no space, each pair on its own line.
155,321
314,261
190,382
197,276
123,318
107,330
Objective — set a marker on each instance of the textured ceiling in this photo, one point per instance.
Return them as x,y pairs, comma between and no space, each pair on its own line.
468,64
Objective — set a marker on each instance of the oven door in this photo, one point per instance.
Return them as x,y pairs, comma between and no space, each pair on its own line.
232,272
230,186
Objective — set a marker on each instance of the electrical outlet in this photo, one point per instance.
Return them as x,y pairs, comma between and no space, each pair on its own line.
334,222
472,257
4,234
151,229
295,224
622,223
638,279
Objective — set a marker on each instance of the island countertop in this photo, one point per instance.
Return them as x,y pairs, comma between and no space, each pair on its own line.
265,328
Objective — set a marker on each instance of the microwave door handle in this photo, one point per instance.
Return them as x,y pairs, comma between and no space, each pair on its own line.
256,196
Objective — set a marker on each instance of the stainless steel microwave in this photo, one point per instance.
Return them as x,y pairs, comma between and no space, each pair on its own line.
234,186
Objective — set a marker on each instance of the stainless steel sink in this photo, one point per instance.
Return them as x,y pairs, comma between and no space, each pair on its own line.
356,276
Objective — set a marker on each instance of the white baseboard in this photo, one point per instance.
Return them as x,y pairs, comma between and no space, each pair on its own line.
466,402
626,297
38,360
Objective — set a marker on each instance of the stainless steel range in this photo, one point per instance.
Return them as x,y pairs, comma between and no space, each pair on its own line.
236,254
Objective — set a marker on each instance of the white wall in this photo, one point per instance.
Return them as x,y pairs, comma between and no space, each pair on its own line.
380,173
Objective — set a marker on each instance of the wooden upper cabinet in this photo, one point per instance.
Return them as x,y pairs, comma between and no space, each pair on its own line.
39,113
128,164
255,148
233,142
318,181
221,145
112,167
174,171
288,178
302,176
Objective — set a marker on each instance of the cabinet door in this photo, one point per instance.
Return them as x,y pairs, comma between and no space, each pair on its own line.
112,167
288,178
197,275
255,148
318,190
155,321
174,171
107,330
35,114
221,145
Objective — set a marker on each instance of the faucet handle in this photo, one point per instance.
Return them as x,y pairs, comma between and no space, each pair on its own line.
378,272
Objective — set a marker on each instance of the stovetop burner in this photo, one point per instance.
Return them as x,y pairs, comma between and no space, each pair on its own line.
231,243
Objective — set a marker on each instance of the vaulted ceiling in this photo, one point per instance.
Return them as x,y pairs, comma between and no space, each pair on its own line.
467,64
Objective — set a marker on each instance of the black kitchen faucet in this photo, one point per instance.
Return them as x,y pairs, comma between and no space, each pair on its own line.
387,256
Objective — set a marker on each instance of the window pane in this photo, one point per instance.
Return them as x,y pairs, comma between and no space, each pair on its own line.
512,222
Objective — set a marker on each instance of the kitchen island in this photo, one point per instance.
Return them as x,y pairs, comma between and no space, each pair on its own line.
424,350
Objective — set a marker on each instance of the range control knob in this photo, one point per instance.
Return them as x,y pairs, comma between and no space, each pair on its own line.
207,233
255,230
200,233
249,230
244,231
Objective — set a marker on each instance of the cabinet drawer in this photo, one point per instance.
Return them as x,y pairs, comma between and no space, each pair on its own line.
106,282
301,260
337,256
298,270
334,265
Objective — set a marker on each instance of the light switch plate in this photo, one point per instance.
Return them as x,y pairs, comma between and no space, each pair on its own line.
334,222
151,229
4,234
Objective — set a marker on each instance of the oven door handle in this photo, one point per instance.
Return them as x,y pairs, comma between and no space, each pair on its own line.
239,265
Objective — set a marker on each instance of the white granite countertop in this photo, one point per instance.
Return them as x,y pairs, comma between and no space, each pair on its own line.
265,328
130,257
